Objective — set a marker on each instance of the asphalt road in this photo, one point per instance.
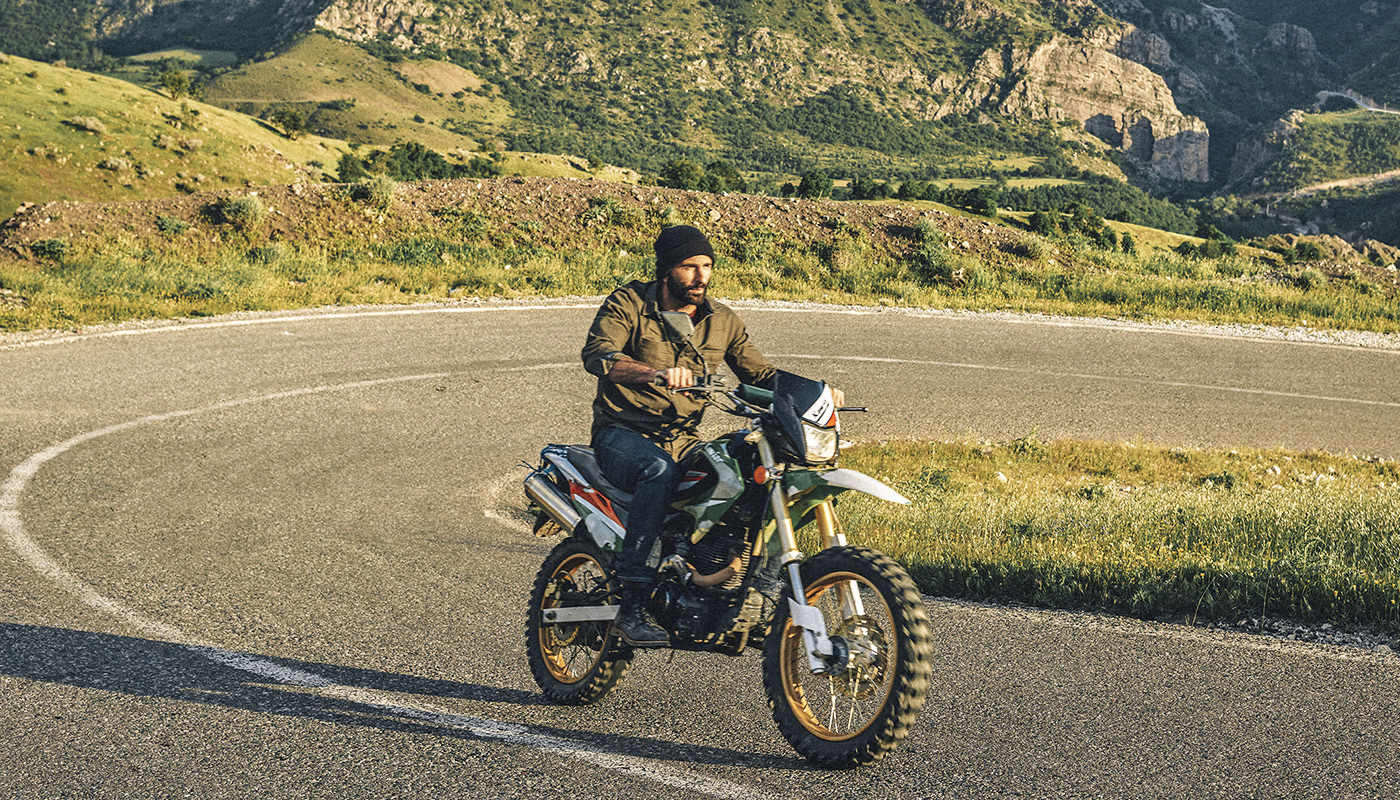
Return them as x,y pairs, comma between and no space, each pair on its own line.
283,558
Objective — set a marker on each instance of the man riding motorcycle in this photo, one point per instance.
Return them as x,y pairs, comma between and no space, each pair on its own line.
642,427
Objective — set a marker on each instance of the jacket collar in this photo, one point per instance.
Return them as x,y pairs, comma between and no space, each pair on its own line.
652,306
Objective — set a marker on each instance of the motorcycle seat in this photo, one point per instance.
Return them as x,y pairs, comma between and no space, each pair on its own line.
587,464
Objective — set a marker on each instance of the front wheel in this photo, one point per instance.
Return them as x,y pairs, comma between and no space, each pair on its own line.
874,690
575,663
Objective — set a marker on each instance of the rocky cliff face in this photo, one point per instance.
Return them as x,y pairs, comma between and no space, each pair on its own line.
1121,102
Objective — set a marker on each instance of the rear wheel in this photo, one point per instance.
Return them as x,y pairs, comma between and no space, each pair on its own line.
875,687
576,663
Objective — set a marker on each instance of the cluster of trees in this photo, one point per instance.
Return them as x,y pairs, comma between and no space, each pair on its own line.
814,184
762,136
1114,199
1322,150
50,32
411,161
717,176
1082,220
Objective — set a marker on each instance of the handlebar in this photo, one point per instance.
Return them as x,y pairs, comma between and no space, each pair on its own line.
754,395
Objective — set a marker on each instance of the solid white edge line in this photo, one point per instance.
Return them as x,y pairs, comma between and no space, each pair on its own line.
1257,333
19,541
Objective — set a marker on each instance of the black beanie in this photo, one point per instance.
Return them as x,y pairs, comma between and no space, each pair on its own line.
677,243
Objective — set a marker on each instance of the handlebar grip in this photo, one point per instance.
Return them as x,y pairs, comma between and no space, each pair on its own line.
754,395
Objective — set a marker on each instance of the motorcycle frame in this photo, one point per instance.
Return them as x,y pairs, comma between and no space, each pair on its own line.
821,652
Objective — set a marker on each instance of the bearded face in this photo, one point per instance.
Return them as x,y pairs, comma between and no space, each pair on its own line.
687,282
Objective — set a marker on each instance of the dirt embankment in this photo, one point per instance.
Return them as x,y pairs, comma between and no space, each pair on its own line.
552,211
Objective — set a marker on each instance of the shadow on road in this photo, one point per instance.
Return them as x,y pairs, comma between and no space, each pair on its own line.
146,668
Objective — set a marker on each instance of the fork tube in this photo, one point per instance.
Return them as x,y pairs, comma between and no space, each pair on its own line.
848,591
828,526
809,619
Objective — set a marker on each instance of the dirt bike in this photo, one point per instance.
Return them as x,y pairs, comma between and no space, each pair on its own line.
846,647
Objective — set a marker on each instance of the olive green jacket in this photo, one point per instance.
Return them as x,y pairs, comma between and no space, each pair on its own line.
629,325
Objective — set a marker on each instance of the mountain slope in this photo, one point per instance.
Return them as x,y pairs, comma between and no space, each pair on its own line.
71,134
349,94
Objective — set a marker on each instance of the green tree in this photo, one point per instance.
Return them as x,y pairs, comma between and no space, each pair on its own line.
351,168
291,120
175,83
815,183
1045,223
682,174
727,176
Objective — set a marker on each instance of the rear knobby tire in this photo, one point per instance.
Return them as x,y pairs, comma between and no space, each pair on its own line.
578,663
860,715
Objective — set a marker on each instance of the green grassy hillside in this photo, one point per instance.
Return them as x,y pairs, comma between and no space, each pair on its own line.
71,135
350,94
1333,147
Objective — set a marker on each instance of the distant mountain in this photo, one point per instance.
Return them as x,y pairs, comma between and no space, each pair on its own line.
1172,89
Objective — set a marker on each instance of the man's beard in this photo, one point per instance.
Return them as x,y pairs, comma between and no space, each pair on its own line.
685,295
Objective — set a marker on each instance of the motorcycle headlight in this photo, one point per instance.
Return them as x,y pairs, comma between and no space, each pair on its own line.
821,444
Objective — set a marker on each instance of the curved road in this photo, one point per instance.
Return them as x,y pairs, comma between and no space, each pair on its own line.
282,557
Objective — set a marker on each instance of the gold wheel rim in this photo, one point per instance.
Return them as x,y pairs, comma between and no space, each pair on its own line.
828,706
568,650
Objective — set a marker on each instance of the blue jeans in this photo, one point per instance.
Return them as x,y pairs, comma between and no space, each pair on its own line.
634,464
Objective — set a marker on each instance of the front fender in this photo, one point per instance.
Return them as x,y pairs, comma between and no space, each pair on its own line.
850,479
808,488
839,480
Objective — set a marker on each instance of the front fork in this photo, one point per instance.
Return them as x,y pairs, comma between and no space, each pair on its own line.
820,650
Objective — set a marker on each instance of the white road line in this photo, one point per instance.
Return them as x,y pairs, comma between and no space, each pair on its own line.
1092,377
1269,334
19,541
285,319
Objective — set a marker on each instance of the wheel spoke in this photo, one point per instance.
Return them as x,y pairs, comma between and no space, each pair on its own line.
855,695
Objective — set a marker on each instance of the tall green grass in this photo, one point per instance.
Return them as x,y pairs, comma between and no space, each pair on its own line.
1142,530
229,260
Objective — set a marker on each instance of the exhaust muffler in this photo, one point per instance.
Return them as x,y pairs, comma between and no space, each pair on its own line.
543,493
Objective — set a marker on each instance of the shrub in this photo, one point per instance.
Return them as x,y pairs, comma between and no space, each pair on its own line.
172,226
89,124
931,260
755,244
670,216
976,277
1030,248
241,213
1309,279
54,249
610,211
376,191
267,254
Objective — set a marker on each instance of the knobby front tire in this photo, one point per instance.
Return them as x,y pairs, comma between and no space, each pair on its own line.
864,712
576,663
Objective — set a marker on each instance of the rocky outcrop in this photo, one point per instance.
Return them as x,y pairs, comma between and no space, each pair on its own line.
395,21
1123,103
1255,152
